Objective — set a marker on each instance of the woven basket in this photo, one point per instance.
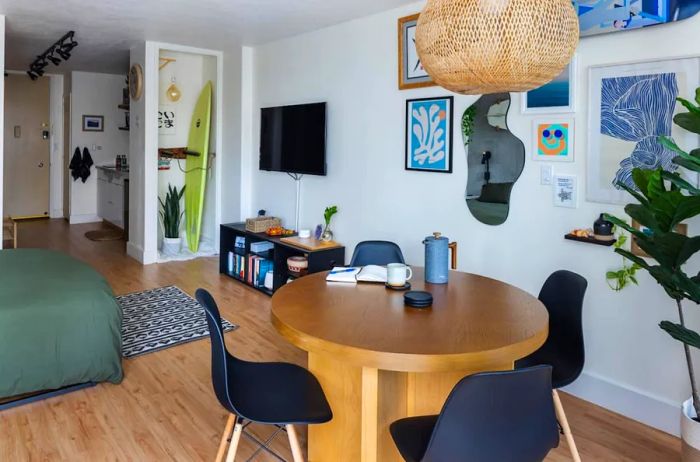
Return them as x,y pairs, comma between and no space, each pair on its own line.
261,224
491,46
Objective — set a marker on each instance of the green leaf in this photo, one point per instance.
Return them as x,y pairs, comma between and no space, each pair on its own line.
688,121
670,144
680,333
677,180
689,105
697,95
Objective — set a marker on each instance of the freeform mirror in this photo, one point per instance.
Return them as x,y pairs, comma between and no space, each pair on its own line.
495,158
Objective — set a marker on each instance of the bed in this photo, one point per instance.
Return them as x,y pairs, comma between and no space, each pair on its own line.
59,323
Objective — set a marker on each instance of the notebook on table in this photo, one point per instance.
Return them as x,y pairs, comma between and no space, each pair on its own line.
369,273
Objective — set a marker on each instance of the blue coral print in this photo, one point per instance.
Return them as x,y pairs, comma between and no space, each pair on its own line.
640,109
428,124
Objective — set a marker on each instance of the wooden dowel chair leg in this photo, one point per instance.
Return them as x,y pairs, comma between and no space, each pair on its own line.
224,438
294,443
561,416
233,448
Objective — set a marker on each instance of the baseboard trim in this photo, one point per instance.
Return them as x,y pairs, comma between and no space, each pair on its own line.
87,218
636,404
134,251
56,213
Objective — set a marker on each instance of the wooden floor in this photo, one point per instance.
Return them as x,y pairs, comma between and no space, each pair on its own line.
165,408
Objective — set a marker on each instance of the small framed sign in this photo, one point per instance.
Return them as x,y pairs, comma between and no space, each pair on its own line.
565,191
93,123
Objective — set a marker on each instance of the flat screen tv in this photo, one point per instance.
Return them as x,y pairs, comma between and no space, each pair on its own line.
293,139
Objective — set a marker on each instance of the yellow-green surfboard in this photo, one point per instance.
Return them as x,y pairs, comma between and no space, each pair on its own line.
196,167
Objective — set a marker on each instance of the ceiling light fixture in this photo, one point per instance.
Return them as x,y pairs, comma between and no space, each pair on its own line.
62,48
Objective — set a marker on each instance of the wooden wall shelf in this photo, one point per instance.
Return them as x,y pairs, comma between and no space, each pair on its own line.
590,240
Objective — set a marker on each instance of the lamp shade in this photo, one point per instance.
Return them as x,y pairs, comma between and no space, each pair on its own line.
492,46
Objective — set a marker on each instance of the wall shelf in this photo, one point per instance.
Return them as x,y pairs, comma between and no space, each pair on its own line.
590,240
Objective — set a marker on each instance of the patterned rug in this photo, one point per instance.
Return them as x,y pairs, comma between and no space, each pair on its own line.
160,318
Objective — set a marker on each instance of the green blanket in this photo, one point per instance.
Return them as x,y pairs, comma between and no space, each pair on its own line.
59,323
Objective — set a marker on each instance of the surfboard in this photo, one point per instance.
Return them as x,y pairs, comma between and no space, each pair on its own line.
196,167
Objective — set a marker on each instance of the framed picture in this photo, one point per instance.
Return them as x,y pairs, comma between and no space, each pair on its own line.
93,123
429,134
636,250
167,120
553,139
565,191
411,72
554,97
630,106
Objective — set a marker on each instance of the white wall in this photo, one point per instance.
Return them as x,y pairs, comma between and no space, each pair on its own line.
2,105
353,66
95,94
56,87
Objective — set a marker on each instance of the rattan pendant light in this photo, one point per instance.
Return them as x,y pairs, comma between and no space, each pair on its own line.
491,46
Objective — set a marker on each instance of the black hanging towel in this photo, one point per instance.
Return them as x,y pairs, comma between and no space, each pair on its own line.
85,165
75,163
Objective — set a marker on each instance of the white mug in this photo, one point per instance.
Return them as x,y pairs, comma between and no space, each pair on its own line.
397,274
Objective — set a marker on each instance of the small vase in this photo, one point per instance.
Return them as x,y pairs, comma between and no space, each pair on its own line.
327,234
603,229
171,246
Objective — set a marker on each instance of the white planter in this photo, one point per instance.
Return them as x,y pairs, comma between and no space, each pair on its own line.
171,246
690,433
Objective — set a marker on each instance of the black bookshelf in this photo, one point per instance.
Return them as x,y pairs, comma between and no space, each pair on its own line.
319,260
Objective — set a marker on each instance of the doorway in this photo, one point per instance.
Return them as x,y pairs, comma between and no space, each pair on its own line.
27,147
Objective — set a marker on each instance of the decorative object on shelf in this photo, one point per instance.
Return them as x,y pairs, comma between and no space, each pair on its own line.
171,217
304,233
663,200
327,234
279,231
261,224
166,120
681,229
318,232
136,81
60,50
437,265
411,71
297,264
429,134
557,96
495,158
478,47
630,106
173,92
603,229
93,123
553,139
565,191
603,16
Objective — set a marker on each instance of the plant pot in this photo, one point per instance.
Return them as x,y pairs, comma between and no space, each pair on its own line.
690,433
171,246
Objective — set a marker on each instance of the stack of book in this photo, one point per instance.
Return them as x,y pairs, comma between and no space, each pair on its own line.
236,265
258,268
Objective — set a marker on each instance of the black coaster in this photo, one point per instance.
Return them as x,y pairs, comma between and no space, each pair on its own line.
399,288
418,299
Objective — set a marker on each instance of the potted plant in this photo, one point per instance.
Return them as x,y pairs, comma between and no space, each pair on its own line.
171,217
665,201
327,234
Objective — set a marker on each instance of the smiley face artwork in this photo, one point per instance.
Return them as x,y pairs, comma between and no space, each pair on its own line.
553,141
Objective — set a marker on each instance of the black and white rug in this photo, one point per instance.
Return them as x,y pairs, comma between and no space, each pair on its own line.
160,318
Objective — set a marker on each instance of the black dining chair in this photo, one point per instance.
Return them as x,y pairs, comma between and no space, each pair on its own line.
488,417
562,294
278,394
376,253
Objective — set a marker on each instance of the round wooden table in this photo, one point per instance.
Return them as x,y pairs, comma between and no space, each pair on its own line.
379,360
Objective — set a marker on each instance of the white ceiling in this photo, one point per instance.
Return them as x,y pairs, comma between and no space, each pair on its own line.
106,29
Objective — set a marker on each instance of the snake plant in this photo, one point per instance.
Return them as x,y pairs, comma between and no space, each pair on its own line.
170,213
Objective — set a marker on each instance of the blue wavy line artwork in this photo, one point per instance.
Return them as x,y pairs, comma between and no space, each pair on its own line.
639,109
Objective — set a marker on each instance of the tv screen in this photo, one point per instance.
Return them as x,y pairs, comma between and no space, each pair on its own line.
293,139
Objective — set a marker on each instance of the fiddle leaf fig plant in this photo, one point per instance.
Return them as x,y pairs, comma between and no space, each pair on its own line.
666,199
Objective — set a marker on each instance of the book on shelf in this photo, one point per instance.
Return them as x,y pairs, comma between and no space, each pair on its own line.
236,265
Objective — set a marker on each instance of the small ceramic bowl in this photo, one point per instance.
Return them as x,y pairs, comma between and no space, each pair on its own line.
297,264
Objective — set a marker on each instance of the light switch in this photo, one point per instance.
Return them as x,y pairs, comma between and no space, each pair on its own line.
546,175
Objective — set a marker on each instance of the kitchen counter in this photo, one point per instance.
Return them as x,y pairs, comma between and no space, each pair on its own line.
111,170
113,195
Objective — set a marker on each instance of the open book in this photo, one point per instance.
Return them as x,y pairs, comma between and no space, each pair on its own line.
369,273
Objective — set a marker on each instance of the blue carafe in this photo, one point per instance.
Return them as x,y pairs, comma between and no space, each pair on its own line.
437,249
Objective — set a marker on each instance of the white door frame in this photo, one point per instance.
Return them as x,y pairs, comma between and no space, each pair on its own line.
56,154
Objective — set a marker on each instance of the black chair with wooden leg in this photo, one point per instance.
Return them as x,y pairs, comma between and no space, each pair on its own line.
278,394
562,294
488,417
376,253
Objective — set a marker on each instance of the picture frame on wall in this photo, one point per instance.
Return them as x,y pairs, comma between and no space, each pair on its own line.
93,123
429,128
557,96
681,228
553,139
565,189
620,140
411,71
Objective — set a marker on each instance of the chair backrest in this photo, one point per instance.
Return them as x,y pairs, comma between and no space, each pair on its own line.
219,355
562,294
376,253
497,416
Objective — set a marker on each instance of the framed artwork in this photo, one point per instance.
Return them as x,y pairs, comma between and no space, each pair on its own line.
630,106
553,139
93,123
565,191
411,72
429,134
603,16
554,97
167,119
636,250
